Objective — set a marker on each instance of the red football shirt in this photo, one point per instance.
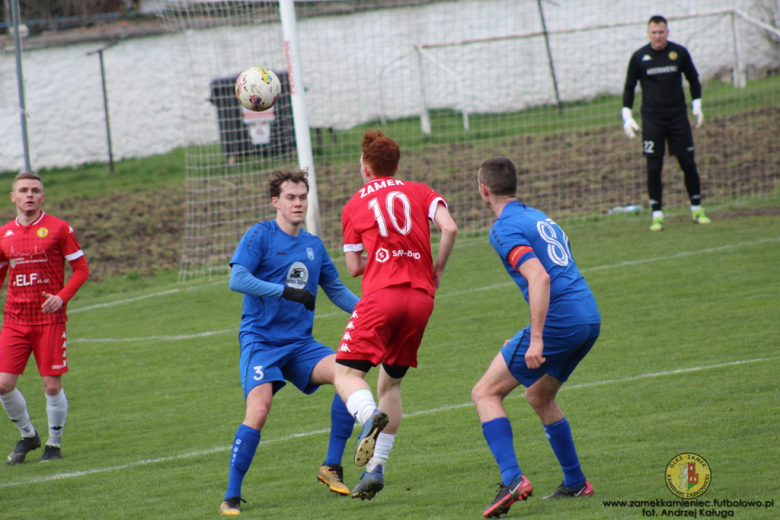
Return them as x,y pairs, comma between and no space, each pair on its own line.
389,219
35,256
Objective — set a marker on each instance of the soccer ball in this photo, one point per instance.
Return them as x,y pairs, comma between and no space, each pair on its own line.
258,89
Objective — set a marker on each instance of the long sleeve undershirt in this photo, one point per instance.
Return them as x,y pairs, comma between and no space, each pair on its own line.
243,281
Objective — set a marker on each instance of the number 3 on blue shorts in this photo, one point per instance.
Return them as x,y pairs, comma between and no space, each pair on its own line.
259,372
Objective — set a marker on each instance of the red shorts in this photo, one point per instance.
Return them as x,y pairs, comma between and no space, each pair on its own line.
48,342
387,327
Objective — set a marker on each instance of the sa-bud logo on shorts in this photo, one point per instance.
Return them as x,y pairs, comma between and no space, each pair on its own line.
688,475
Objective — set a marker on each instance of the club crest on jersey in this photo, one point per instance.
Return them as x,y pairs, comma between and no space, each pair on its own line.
42,232
672,55
297,276
310,253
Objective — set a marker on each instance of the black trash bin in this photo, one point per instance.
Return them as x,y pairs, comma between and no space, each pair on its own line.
244,132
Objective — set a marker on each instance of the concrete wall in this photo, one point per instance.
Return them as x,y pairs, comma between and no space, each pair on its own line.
158,85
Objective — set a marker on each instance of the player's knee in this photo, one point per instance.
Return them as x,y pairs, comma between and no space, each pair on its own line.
256,416
538,400
6,386
481,392
476,393
686,160
655,165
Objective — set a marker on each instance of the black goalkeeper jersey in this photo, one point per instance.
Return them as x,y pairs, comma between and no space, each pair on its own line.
660,73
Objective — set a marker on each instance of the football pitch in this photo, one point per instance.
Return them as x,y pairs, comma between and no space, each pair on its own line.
687,362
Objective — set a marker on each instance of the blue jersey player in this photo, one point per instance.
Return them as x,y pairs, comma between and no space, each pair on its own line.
278,266
565,324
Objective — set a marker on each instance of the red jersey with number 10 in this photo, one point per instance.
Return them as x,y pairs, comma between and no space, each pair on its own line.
389,219
35,258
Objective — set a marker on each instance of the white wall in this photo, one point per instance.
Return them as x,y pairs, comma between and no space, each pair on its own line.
154,108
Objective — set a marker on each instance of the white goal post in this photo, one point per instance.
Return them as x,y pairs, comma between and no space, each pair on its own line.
455,82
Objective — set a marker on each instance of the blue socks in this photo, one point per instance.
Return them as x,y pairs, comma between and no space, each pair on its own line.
559,435
341,425
242,453
498,434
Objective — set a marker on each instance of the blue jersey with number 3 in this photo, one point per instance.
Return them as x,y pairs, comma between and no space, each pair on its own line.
522,233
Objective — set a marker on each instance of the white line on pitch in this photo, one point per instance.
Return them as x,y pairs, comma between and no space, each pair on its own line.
624,264
178,337
445,295
145,296
406,415
455,293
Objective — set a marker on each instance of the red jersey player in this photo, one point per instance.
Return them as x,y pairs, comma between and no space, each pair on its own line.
33,250
388,219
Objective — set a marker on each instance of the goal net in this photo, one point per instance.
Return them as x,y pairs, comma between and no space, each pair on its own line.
456,82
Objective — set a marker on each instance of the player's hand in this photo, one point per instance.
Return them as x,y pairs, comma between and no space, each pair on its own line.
696,103
533,356
629,125
437,274
299,295
52,304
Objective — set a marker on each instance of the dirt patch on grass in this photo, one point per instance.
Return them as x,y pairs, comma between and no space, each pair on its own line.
770,211
566,175
124,233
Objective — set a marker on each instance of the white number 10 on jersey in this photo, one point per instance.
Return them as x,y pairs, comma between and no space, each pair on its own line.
390,208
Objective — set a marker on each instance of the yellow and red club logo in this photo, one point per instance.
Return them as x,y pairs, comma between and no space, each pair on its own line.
672,55
688,475
42,232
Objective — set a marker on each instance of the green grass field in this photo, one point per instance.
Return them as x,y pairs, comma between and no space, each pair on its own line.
687,362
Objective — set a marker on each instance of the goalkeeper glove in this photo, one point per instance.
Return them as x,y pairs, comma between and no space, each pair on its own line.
629,125
697,112
299,295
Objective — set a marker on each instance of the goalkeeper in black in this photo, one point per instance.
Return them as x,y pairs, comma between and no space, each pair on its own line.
659,66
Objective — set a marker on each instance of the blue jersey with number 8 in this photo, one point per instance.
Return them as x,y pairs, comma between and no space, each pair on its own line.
522,233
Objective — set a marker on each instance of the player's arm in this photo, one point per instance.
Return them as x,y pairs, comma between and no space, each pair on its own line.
78,263
54,302
692,76
3,271
632,76
539,303
340,295
449,231
356,262
242,280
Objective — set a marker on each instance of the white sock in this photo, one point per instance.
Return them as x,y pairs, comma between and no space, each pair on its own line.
384,443
361,405
695,208
657,214
57,408
16,408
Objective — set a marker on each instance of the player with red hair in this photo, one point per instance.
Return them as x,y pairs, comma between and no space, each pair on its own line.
388,220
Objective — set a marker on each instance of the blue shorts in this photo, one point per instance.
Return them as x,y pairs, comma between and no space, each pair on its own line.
564,348
268,363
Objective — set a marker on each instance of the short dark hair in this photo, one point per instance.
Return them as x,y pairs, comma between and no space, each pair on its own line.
500,175
380,153
279,177
658,19
26,175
